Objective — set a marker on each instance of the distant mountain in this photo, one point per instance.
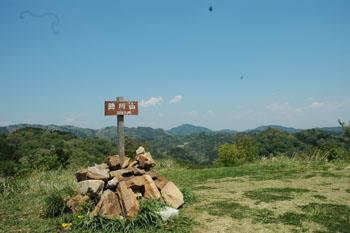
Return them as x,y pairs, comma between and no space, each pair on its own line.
107,133
333,130
228,131
79,132
142,133
278,127
188,129
150,134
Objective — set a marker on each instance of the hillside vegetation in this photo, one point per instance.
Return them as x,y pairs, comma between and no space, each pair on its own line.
54,147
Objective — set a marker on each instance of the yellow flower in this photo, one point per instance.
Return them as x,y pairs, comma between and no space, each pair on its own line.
66,225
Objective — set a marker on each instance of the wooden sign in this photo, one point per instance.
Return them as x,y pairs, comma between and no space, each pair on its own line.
120,108
113,108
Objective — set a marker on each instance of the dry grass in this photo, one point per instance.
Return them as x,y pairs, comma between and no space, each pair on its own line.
224,198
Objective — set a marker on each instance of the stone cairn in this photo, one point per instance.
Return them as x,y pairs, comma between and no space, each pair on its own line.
119,184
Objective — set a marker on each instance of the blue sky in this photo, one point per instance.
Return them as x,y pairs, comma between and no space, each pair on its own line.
182,62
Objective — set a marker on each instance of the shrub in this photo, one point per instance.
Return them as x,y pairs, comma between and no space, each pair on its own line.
54,203
242,150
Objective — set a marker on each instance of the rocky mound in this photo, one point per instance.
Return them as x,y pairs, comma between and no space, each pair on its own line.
118,185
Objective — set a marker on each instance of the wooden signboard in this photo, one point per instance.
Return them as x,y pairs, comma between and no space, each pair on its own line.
120,108
113,108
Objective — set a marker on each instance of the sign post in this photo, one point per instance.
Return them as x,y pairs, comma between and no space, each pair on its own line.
121,108
120,133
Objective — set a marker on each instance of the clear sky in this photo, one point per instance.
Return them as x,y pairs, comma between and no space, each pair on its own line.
245,64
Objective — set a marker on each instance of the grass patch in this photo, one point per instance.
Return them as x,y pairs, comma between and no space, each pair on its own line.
202,187
290,218
321,197
329,174
54,204
189,196
261,170
347,190
237,211
308,176
335,217
273,194
227,208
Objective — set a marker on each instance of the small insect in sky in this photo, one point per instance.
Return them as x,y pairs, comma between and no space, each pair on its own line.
211,8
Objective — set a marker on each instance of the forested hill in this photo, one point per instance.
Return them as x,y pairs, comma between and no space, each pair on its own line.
147,133
202,147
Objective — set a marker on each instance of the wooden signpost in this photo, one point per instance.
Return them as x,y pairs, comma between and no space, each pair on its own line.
120,108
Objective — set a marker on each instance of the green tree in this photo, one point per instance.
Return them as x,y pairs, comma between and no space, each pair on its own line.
346,128
243,149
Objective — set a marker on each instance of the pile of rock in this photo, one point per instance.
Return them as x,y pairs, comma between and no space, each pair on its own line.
120,182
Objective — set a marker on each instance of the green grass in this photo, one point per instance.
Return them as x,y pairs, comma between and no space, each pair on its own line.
329,174
23,209
290,218
202,187
321,197
336,218
273,194
237,211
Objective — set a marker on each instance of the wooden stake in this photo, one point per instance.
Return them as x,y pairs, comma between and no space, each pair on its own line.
121,135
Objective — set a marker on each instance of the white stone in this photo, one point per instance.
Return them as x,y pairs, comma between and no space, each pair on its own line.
168,212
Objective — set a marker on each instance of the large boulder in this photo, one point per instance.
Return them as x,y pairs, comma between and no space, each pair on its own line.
91,188
108,206
128,200
172,195
160,182
75,202
122,173
153,174
151,190
113,183
81,175
114,162
136,171
145,160
125,162
135,183
103,166
97,173
133,163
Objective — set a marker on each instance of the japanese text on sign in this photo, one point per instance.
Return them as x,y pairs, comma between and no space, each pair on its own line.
121,108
